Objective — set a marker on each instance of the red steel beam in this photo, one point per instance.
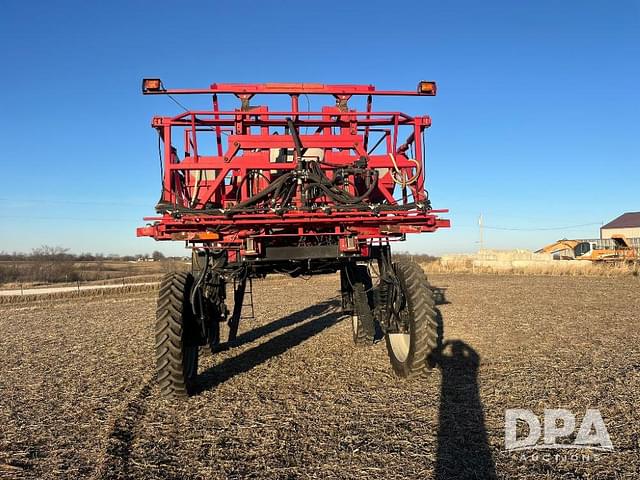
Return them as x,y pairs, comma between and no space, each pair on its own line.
288,89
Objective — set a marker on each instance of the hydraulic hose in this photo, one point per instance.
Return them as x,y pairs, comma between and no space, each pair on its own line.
296,138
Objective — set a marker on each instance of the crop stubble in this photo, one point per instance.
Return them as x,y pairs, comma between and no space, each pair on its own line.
296,399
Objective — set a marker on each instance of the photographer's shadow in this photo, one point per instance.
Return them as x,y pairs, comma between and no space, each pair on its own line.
463,447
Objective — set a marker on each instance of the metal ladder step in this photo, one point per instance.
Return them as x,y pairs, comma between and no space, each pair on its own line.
248,295
249,291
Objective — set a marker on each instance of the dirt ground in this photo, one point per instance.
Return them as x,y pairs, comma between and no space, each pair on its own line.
297,400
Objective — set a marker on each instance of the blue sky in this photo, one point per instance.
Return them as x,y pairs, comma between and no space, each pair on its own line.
535,124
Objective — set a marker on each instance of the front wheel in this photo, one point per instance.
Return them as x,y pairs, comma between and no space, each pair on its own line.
411,346
176,336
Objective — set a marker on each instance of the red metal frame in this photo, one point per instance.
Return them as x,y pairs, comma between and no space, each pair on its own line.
248,148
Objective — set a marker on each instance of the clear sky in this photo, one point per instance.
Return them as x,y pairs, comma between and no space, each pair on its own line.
536,123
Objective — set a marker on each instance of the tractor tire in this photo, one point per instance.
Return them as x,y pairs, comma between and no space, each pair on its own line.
362,319
176,337
410,353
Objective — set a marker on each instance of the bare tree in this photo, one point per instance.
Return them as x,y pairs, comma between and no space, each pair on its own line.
50,253
52,264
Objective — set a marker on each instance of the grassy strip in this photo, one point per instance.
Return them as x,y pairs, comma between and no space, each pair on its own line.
95,292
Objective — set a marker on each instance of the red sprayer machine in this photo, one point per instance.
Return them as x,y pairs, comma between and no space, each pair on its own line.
292,191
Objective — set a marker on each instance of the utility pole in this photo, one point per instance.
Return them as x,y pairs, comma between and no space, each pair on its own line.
480,224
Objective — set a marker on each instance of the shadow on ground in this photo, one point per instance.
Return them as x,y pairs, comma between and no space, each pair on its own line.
462,450
463,447
440,295
327,314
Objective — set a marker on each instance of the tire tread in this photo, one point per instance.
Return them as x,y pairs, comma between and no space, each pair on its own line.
171,315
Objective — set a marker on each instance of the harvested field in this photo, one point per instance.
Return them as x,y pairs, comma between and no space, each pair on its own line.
297,400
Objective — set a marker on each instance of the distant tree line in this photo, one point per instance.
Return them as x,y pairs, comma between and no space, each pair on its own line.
416,257
58,253
49,264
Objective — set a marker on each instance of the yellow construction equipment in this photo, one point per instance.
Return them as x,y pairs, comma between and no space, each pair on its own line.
620,251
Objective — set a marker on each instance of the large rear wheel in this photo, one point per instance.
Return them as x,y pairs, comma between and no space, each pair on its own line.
412,345
176,336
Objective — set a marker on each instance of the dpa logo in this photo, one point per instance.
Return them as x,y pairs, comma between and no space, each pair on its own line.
557,424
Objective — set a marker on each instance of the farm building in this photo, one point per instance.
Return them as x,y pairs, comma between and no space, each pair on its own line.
627,224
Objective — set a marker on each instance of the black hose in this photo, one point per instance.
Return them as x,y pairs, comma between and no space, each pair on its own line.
296,138
196,287
340,196
289,195
264,193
